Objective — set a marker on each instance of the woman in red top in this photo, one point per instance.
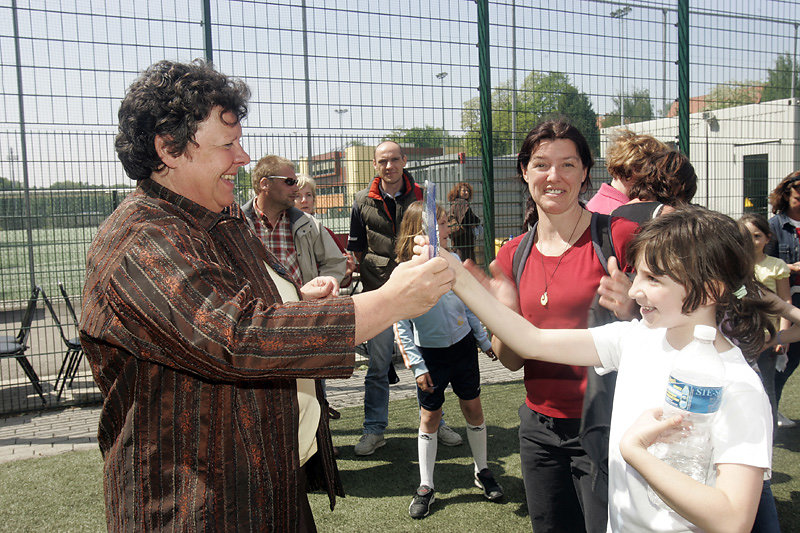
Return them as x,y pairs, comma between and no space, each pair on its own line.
558,283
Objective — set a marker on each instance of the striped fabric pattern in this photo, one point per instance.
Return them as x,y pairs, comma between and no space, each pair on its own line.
197,365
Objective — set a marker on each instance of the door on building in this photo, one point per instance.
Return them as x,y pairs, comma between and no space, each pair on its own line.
756,183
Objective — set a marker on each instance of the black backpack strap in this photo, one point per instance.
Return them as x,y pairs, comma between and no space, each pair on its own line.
601,238
521,254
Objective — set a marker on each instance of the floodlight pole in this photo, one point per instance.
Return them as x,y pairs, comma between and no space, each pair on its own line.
442,76
620,14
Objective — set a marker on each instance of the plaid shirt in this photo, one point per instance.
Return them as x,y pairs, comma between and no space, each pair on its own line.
279,240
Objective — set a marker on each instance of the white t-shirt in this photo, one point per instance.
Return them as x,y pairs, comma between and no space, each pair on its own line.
741,432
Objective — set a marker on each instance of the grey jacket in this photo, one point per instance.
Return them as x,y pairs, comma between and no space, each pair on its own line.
317,252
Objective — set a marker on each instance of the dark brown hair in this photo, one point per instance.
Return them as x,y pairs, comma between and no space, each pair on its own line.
171,99
454,192
707,253
551,130
757,220
666,177
779,197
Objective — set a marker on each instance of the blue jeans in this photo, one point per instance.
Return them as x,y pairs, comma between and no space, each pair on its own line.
767,515
376,383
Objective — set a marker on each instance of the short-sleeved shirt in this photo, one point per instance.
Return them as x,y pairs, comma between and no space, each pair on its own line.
741,431
606,200
553,389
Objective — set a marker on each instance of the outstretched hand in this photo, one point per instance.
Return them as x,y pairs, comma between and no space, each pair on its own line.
498,284
613,291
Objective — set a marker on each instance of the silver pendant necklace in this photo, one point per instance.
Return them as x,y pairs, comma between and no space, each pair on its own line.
545,299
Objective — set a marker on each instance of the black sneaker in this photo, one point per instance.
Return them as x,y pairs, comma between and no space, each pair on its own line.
491,488
421,504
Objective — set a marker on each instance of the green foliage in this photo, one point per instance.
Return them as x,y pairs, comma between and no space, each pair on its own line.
733,94
72,185
779,79
637,107
7,184
541,96
243,186
425,137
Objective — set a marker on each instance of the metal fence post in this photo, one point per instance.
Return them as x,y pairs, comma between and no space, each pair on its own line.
207,31
683,77
23,148
487,152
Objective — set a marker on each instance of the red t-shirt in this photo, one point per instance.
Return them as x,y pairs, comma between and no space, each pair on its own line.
552,389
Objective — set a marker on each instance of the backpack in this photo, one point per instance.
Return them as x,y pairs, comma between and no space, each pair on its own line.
599,396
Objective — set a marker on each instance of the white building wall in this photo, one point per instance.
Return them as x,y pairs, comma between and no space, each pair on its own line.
719,141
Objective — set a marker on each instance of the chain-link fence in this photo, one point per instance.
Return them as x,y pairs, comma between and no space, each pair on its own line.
457,82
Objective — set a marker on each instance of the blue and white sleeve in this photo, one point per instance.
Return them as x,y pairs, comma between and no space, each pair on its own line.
404,336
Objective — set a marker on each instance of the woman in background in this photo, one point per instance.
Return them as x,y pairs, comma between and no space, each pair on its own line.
464,223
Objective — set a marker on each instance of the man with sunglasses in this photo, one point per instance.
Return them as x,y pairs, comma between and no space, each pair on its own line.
297,239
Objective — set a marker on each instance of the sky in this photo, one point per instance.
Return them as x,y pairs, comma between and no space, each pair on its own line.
377,61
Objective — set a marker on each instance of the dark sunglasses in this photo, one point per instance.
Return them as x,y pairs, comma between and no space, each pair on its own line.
288,181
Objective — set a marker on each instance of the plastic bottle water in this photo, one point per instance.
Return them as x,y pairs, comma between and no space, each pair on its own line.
694,390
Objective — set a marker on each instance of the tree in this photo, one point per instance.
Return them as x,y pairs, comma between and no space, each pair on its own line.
779,79
7,184
733,94
542,96
69,185
243,185
637,107
425,137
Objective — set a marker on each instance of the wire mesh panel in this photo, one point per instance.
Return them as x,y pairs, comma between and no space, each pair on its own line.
330,80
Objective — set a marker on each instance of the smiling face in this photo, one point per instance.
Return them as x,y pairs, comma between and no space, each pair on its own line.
555,176
660,297
206,171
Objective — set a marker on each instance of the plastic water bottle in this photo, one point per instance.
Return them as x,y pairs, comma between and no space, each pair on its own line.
694,390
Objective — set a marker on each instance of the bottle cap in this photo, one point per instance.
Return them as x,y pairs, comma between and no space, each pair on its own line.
705,333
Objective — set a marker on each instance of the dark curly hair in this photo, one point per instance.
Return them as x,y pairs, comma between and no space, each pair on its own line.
170,99
552,130
455,192
709,254
779,197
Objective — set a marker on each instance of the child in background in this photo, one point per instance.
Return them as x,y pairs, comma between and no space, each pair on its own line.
774,274
440,347
693,266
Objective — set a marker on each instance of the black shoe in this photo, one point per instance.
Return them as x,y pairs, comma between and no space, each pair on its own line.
491,488
421,504
333,414
393,377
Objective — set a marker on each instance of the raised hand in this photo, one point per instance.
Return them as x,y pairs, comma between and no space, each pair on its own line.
613,291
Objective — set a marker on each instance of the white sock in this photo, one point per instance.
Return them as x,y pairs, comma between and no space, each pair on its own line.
476,436
427,444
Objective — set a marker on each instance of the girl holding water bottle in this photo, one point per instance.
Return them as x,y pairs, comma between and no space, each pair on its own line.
693,267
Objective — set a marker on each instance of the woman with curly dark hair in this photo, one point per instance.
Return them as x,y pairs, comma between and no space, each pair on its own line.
464,223
785,227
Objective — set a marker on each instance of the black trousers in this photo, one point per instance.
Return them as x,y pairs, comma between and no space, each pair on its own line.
557,476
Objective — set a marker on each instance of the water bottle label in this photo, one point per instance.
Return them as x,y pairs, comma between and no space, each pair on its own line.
692,398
